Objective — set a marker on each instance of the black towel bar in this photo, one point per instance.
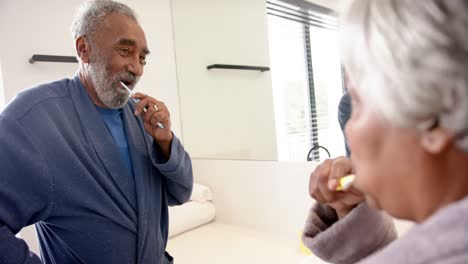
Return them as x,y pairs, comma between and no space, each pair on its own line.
237,67
52,58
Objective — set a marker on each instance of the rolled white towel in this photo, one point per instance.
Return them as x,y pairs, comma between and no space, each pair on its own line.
201,193
189,216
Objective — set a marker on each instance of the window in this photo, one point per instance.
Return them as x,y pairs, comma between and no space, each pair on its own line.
307,79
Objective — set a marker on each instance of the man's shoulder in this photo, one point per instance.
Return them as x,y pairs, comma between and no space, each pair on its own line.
36,97
47,90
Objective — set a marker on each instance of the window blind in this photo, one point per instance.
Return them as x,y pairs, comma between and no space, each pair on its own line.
303,12
307,78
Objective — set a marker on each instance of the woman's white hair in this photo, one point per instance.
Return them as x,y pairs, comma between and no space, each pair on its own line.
409,60
92,13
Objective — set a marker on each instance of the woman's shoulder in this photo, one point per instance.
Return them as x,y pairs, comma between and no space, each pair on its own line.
440,238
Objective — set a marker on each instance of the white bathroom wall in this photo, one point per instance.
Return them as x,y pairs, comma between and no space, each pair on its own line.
267,196
2,91
226,114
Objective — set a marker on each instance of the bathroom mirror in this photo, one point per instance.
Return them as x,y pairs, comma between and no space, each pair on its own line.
252,114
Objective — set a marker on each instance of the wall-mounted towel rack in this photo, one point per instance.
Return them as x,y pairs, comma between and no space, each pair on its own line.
52,58
237,67
316,147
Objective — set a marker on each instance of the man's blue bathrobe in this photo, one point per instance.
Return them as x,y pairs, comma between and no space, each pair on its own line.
60,170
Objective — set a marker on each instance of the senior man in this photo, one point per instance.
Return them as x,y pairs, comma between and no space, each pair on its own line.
93,171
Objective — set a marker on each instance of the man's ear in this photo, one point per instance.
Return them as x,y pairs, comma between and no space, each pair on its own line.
436,140
83,49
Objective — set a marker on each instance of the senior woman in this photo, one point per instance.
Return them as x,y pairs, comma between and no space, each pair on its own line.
408,134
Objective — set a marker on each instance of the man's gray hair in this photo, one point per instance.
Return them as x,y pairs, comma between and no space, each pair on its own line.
409,60
92,13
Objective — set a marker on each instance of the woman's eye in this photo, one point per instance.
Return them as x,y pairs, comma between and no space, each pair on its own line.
124,51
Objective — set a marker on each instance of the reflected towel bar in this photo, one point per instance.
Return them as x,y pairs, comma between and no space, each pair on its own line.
314,148
52,58
237,67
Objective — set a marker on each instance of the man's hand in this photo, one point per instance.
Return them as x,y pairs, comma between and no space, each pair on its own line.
323,183
156,111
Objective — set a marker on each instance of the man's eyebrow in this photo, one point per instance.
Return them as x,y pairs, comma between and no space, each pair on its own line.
131,42
126,41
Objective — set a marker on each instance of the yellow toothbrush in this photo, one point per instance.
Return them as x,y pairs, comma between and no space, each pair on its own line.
345,183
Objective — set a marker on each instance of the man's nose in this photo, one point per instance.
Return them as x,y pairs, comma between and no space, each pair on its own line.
135,67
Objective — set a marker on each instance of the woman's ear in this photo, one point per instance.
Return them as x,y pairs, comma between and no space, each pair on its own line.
83,49
436,140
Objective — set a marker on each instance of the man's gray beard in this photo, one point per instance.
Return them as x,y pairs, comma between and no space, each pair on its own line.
107,86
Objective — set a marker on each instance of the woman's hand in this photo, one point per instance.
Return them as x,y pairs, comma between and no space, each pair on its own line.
324,181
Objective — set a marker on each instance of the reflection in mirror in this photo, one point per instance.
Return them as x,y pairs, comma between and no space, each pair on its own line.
277,115
260,208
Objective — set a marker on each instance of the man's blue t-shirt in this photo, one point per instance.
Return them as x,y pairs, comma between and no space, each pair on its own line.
114,123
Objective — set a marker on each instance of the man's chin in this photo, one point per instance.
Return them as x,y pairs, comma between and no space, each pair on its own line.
116,103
